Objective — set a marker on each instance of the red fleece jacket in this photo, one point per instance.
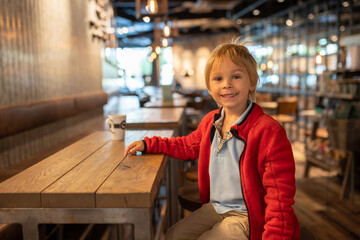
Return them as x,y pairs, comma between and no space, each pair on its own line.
267,170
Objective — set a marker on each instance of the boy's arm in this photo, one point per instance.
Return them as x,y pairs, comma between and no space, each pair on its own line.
185,147
279,183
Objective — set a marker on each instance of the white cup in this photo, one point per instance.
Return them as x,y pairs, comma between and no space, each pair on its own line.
116,123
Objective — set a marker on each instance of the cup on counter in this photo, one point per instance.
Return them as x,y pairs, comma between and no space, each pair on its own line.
116,123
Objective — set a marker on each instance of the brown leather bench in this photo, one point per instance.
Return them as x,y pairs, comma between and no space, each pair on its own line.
18,118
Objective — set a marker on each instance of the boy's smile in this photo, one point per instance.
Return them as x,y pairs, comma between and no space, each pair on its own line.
229,85
229,95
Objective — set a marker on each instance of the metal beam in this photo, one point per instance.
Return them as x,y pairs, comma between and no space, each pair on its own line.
120,13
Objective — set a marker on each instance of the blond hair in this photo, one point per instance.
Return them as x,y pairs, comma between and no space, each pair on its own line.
239,54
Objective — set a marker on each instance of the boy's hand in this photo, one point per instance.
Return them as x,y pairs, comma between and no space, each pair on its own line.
134,147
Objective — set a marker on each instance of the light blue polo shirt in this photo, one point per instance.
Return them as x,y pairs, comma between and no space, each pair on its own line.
225,183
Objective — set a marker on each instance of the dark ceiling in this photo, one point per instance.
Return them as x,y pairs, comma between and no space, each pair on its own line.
192,18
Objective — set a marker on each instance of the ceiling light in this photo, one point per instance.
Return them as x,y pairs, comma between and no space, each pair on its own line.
152,6
280,1
310,16
239,21
167,30
165,42
153,55
342,28
256,12
346,4
322,41
263,66
289,22
318,59
146,19
334,37
158,50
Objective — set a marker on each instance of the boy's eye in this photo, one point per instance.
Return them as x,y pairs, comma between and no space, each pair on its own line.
217,78
237,77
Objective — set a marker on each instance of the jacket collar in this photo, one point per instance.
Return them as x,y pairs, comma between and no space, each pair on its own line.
240,130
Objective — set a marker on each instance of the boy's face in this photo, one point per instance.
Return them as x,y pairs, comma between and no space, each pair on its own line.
229,85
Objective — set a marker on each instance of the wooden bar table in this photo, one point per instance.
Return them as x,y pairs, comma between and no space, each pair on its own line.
181,102
159,119
269,107
87,182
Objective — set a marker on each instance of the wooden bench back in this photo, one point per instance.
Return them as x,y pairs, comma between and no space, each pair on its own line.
17,118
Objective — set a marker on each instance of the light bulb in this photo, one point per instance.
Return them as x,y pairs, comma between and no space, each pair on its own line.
146,19
153,55
152,6
165,42
167,30
289,22
263,66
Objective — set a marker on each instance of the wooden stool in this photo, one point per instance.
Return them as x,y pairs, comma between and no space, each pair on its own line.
191,173
189,197
286,111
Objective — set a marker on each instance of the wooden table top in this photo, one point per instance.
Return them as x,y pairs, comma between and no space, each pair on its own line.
181,102
268,105
90,173
308,113
155,118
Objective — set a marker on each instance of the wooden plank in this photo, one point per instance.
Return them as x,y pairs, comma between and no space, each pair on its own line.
318,207
155,118
135,182
23,189
77,188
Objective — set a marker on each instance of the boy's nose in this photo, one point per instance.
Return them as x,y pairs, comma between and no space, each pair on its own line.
226,83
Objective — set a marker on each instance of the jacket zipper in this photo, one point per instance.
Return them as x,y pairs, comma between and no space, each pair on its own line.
235,133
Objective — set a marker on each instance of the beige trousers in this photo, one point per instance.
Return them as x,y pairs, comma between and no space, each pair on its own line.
206,223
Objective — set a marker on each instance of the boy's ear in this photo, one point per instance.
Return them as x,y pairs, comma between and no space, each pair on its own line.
252,88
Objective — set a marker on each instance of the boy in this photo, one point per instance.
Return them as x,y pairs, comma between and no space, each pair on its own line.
245,163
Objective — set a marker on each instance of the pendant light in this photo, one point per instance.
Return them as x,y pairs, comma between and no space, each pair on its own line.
152,6
167,30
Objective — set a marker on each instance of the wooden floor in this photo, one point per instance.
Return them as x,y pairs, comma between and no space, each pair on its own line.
318,206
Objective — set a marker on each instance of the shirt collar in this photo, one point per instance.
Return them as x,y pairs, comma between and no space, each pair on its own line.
219,122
